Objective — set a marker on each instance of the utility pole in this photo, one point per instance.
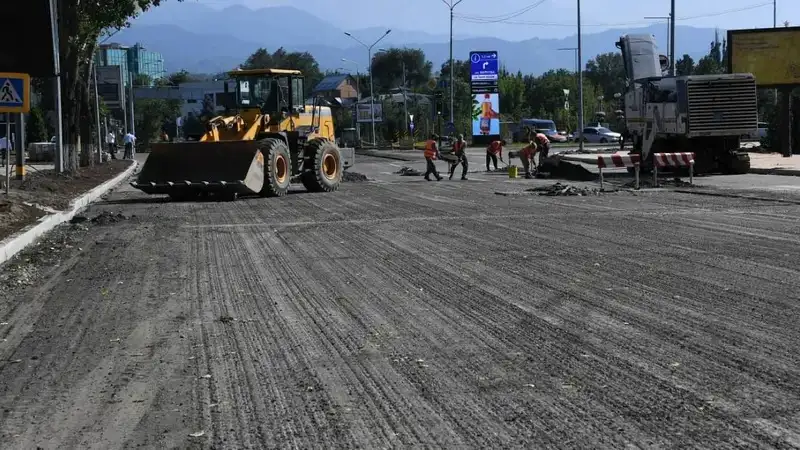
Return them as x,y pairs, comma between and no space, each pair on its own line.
371,85
452,5
358,94
405,105
580,80
97,116
672,39
577,69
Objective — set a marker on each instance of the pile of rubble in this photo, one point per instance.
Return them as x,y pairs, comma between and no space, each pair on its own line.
354,177
408,172
104,218
559,189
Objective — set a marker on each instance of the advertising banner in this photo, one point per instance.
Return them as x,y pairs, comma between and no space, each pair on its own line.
486,115
362,112
110,87
771,54
484,85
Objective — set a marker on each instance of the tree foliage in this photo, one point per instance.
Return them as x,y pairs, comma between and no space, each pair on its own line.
387,69
281,59
152,116
36,127
81,24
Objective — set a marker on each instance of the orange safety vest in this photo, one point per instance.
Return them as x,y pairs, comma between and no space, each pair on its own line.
542,138
528,151
458,146
430,149
496,148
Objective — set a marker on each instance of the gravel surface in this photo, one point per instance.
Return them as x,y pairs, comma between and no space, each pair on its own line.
408,314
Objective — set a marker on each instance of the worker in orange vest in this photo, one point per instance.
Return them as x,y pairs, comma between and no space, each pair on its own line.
544,148
431,153
460,152
494,151
526,155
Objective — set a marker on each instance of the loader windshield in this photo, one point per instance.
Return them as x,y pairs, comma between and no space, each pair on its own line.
269,94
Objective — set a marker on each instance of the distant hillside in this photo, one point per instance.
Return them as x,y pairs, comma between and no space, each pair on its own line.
199,39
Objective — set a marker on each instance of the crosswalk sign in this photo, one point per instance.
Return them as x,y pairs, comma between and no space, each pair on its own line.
15,93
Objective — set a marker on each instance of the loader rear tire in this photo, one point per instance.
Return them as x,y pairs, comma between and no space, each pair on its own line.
324,166
277,168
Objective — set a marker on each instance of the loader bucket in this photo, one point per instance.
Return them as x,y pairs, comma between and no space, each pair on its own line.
188,168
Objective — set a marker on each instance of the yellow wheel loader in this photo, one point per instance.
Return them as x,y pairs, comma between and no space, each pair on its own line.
273,138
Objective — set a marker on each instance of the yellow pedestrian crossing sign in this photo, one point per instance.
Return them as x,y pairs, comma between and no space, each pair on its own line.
15,93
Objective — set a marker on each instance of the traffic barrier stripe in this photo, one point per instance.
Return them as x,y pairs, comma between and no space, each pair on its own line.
617,160
683,159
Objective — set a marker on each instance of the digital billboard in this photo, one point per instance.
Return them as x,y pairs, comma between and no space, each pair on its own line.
484,85
771,54
486,114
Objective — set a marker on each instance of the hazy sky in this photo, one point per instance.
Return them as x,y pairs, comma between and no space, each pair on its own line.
523,19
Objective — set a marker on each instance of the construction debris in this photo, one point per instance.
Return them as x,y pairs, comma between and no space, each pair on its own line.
564,189
107,218
354,177
409,172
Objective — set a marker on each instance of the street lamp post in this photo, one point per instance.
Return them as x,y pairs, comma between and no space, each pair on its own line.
452,5
580,81
371,85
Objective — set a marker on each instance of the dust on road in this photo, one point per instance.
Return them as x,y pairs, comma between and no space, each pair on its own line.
407,313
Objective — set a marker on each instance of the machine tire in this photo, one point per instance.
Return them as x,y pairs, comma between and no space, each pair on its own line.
604,141
277,167
324,166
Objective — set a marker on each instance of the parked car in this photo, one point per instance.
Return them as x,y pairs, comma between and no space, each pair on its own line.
599,135
546,127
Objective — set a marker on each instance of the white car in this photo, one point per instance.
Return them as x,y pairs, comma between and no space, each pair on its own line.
599,135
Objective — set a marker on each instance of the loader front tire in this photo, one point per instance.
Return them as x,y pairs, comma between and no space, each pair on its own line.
277,168
324,166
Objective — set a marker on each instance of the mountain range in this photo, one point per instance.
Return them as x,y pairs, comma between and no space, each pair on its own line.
200,39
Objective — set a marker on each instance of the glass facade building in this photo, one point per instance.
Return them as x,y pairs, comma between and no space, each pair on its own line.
134,60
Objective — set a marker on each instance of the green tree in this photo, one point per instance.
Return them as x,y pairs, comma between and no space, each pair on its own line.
151,116
607,72
512,96
36,127
684,66
387,69
81,24
281,59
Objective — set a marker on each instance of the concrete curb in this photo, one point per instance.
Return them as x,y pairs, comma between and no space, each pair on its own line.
17,242
785,172
735,195
384,156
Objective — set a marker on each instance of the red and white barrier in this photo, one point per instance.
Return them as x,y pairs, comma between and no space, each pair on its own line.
618,160
682,159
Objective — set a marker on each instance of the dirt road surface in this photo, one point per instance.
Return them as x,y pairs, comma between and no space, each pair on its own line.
400,313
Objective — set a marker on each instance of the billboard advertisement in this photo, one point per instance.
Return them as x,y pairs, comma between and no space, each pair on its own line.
771,54
486,114
110,87
484,81
362,112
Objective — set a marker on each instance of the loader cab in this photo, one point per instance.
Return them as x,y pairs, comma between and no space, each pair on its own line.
274,92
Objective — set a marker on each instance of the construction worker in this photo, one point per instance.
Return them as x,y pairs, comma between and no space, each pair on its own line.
544,148
526,155
431,153
460,151
494,151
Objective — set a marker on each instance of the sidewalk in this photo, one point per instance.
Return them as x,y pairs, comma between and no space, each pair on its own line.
774,164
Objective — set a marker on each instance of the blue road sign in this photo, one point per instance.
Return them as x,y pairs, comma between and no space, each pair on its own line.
484,66
450,128
15,93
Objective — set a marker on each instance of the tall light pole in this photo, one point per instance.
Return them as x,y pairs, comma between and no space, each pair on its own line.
358,93
580,81
670,50
452,5
371,85
672,39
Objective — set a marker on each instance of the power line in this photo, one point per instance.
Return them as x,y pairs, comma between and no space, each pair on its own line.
505,16
478,20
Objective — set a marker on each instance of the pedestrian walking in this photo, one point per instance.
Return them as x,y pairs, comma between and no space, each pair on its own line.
494,151
460,151
130,141
431,153
526,155
544,148
111,141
